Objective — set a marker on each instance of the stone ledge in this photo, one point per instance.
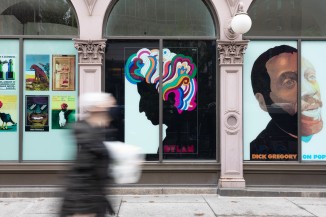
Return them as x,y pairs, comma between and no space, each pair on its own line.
272,192
37,192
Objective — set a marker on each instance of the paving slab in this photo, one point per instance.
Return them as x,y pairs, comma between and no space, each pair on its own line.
164,199
14,207
165,210
44,206
307,200
255,206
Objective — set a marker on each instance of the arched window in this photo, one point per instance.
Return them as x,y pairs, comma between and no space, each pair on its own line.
160,64
160,18
37,17
287,18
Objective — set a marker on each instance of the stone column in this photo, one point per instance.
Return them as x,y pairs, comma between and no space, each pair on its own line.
231,142
90,60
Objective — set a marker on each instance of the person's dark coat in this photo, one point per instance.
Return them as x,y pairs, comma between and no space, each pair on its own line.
86,182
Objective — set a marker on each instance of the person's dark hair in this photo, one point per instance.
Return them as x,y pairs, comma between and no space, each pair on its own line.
260,79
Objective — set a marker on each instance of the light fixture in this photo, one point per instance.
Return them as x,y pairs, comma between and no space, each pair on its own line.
240,23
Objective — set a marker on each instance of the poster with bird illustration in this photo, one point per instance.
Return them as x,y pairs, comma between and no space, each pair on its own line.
8,113
37,72
63,111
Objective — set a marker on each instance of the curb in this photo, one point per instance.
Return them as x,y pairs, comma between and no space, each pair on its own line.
37,192
272,192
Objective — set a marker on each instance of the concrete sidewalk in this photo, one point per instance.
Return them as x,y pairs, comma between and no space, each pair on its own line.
173,205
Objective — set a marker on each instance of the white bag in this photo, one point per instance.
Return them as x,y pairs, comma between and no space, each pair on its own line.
126,162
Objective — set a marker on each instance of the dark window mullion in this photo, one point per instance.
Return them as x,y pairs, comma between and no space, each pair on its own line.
160,102
21,100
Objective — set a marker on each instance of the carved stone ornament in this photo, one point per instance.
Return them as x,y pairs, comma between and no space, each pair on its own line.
231,122
90,51
233,6
90,6
231,52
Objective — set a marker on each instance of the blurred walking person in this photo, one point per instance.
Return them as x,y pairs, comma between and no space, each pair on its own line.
85,193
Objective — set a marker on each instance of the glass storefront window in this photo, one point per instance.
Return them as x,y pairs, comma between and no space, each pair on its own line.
189,111
160,18
188,106
37,17
50,99
9,99
290,126
270,93
313,94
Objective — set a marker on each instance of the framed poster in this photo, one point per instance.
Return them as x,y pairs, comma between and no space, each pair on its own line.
63,69
8,113
63,111
37,72
8,72
37,113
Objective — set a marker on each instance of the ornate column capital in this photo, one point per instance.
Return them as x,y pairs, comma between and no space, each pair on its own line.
231,52
90,51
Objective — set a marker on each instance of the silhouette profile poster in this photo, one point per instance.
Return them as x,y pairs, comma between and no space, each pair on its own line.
8,72
37,72
8,113
179,100
63,72
63,111
37,113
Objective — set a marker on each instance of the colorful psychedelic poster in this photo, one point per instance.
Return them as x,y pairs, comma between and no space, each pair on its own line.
8,113
8,72
179,88
270,89
63,111
313,97
63,72
37,72
37,113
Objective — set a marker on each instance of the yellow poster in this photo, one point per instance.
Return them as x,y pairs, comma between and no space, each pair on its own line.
8,113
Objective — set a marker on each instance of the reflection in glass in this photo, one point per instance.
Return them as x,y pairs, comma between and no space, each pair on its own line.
37,17
189,127
274,78
160,18
287,18
190,133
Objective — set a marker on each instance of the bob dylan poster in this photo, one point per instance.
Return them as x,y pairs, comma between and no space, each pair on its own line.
8,72
8,113
63,111
37,113
179,100
37,72
63,72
